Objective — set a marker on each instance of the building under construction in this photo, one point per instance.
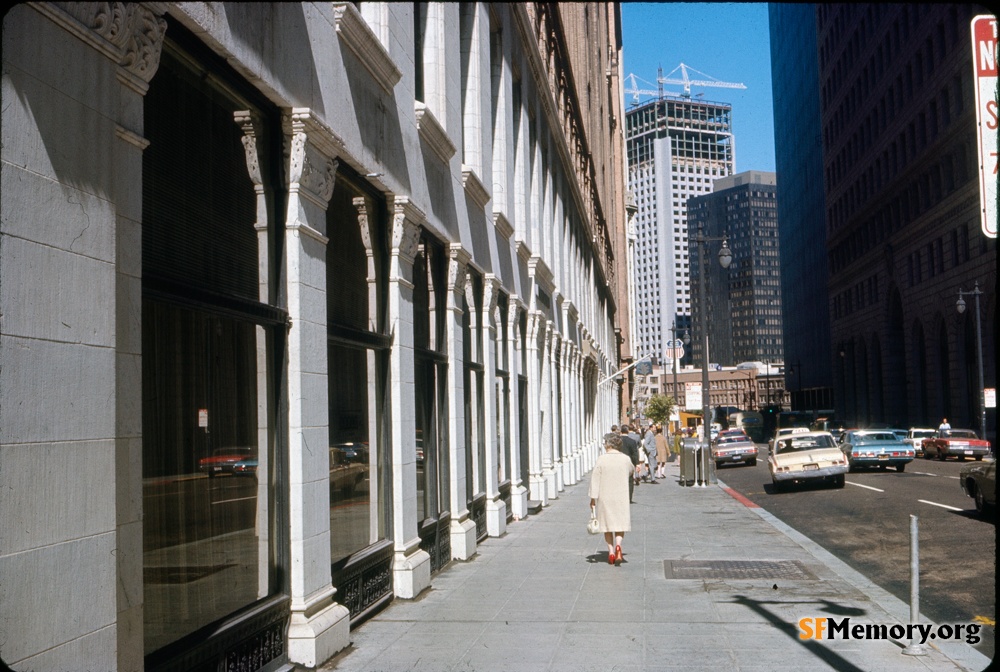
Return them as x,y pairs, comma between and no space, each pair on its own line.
677,147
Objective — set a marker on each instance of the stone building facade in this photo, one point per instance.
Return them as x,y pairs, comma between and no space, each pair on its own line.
300,303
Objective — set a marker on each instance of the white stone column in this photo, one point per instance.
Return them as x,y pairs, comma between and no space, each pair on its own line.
411,566
518,491
536,465
319,626
550,466
496,508
463,528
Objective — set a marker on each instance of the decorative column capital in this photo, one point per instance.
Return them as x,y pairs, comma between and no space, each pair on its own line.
458,270
406,220
311,148
491,293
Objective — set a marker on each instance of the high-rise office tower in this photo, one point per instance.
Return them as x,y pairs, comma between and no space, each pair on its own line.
744,300
677,147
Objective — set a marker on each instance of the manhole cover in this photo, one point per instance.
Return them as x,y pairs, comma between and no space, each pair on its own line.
789,570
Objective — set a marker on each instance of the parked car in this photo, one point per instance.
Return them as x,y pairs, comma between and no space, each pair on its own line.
875,448
900,433
734,448
785,432
915,437
961,443
223,460
979,481
807,456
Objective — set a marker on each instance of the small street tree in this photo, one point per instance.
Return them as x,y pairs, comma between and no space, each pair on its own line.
659,407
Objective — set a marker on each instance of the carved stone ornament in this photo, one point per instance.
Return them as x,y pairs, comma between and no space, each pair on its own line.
129,34
405,228
458,272
250,125
361,203
311,152
491,293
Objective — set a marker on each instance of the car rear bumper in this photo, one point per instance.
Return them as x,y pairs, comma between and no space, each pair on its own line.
803,474
891,460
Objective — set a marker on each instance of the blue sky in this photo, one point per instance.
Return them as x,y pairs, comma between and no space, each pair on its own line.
728,42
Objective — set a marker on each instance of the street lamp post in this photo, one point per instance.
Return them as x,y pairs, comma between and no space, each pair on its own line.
725,258
673,357
960,306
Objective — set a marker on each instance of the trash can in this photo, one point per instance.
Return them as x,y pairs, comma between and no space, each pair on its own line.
689,461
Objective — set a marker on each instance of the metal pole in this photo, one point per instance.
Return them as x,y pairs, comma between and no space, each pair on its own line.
979,351
915,648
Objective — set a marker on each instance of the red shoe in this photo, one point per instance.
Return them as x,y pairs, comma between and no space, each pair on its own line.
611,558
618,556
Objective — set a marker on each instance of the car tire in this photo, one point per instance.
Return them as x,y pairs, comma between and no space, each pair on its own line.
979,458
839,481
753,462
779,486
981,505
900,468
961,458
941,456
926,455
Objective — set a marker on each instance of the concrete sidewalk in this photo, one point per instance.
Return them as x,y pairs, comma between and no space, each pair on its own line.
543,597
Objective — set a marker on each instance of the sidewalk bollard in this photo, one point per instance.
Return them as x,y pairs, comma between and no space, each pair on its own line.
703,465
915,648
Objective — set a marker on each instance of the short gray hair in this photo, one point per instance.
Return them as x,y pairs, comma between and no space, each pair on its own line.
613,441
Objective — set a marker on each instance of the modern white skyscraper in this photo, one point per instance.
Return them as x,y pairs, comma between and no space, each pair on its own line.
677,147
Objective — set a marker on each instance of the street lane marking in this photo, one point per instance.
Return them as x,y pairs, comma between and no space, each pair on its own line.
924,473
943,506
866,486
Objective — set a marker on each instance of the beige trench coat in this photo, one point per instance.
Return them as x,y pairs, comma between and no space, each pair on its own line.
662,448
609,486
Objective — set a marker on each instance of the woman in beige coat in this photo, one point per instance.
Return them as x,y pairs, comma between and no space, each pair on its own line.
609,495
662,453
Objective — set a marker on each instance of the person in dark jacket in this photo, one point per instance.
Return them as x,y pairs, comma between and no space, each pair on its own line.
631,448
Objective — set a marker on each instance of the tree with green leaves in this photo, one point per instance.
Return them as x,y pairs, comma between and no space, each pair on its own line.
659,408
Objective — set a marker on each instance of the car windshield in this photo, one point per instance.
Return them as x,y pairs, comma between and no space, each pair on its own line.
798,443
960,434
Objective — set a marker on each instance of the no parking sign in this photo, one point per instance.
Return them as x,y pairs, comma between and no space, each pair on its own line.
984,55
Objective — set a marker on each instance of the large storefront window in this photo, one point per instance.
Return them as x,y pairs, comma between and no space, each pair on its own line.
210,348
431,396
358,352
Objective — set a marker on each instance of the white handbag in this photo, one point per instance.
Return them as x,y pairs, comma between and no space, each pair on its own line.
592,526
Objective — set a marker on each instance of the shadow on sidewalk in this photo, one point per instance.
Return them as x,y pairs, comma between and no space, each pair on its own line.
832,658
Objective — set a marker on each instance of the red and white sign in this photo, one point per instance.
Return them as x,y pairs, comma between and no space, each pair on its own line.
984,56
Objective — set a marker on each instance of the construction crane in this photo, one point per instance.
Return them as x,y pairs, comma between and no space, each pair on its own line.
634,90
687,81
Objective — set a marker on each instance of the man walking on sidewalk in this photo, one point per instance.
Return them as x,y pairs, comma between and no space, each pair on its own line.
649,445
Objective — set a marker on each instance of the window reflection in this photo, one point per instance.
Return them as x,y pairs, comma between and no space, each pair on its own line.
205,504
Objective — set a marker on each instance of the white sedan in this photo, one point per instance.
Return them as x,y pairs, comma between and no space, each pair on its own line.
806,457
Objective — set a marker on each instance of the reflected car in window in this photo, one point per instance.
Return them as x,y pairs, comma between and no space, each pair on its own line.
223,460
809,456
345,472
245,468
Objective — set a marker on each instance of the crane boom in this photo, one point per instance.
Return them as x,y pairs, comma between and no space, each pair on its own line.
687,82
